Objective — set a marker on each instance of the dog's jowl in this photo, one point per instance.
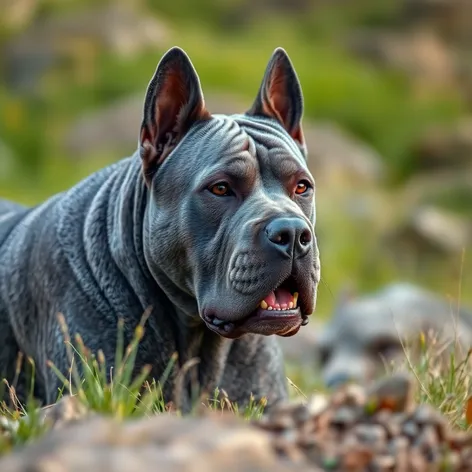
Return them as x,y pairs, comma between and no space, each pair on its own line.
209,225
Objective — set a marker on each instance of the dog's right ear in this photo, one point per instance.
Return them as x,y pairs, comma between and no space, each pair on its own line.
174,101
280,96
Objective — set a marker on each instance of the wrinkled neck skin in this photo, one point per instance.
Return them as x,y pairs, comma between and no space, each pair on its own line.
130,210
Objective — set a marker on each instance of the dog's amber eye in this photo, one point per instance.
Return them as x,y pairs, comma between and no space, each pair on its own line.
221,189
302,187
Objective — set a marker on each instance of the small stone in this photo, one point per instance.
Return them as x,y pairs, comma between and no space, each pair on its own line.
391,423
68,409
308,428
460,440
317,404
338,398
357,459
279,422
426,415
410,430
417,462
371,434
429,435
344,417
324,420
8,425
427,443
287,449
394,393
355,395
305,441
384,462
300,414
399,449
466,457
289,435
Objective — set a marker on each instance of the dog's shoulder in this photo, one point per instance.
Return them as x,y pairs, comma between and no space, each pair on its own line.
10,215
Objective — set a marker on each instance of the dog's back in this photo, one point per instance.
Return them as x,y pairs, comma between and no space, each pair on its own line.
33,268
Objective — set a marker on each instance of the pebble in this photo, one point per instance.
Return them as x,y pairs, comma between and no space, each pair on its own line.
379,429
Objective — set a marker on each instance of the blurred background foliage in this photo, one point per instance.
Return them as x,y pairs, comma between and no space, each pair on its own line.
388,95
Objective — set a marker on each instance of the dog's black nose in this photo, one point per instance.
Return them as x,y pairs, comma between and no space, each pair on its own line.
289,235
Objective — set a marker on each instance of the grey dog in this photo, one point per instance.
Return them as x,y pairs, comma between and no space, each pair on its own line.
210,223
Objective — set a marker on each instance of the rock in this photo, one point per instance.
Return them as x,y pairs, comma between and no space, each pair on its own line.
357,459
452,19
344,417
428,41
394,393
363,440
430,231
449,188
166,443
317,405
290,437
410,430
335,156
67,410
445,147
17,13
368,332
372,435
79,35
420,55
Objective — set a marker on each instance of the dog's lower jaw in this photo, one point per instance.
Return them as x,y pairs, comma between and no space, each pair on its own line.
262,322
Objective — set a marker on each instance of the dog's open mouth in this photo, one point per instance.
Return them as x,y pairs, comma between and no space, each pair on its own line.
277,313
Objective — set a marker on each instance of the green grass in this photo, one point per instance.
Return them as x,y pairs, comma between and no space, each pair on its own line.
442,380
442,373
120,394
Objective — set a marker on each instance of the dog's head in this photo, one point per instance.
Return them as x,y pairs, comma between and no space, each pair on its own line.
229,227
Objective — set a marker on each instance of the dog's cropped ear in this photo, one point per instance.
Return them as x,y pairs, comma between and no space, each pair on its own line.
280,96
174,101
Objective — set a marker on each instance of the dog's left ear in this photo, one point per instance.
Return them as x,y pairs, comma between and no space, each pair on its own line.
174,102
280,96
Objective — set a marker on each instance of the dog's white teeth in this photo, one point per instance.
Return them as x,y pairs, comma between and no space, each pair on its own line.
285,307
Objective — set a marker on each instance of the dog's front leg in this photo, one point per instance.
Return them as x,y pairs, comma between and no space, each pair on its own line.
255,366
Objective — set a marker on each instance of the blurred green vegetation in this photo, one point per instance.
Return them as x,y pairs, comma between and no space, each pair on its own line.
230,43
376,105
